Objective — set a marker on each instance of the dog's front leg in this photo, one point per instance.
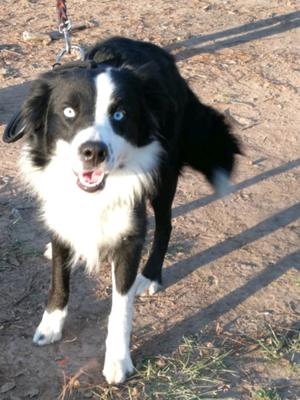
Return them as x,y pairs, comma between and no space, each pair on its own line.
51,325
118,364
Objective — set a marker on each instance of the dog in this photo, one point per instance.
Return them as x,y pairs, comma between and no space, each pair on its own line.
103,137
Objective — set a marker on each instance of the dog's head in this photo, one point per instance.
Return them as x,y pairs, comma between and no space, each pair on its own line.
98,120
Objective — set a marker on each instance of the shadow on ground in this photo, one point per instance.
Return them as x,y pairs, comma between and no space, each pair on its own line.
170,339
235,36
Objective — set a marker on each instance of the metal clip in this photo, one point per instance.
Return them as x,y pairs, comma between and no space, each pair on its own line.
65,29
66,25
65,50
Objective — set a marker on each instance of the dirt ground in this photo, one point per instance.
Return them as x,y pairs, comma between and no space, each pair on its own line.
232,262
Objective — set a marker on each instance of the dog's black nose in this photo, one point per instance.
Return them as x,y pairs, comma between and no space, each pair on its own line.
93,153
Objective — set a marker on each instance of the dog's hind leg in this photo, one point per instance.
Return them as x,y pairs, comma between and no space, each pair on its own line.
51,325
150,280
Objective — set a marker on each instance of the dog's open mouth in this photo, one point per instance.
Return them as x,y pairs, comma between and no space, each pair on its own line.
91,181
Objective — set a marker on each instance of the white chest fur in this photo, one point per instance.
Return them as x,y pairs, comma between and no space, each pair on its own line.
87,221
86,226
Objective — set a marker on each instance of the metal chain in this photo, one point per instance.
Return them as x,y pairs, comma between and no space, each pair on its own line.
64,27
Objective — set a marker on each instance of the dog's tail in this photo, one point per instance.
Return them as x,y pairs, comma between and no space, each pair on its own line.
207,143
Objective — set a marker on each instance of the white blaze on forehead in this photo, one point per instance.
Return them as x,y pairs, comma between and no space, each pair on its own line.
104,94
101,130
119,147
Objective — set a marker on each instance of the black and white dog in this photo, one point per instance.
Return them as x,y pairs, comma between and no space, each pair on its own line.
102,137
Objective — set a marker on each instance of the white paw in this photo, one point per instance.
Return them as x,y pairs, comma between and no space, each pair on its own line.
145,286
116,371
48,251
50,328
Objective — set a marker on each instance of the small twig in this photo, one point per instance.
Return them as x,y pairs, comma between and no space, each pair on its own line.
71,340
55,35
8,321
25,295
242,126
72,383
250,125
236,101
10,51
37,37
48,37
277,82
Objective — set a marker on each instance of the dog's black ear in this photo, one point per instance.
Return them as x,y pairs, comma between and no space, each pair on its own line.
31,118
15,129
34,111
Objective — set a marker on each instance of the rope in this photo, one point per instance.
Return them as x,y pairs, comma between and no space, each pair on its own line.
61,8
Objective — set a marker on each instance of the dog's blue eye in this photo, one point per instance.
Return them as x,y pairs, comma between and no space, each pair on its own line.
118,115
69,112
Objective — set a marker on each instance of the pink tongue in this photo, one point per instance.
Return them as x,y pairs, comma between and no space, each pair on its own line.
92,176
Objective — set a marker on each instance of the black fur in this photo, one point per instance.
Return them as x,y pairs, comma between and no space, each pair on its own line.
59,287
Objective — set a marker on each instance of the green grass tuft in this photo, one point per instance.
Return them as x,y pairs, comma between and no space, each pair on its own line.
267,394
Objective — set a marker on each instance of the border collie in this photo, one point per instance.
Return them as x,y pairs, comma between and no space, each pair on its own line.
103,136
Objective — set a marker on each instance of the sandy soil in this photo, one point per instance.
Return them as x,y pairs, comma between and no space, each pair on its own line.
232,262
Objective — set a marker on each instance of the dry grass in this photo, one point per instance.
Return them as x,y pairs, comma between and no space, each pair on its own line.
194,371
278,344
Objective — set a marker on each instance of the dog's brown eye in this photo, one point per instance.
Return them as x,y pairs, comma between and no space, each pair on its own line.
69,112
